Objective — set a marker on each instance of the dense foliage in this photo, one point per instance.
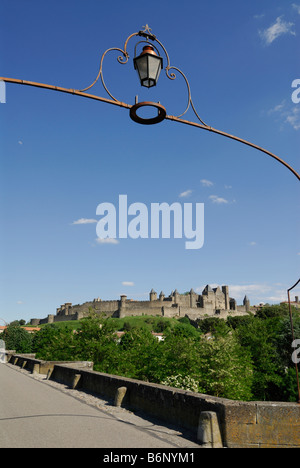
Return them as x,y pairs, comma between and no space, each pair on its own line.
242,358
16,338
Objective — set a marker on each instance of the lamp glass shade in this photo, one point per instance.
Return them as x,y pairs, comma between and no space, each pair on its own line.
148,66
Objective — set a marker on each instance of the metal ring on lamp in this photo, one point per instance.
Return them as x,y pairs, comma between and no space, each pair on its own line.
159,118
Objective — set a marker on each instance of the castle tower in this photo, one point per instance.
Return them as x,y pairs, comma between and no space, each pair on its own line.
68,308
153,295
123,300
161,296
176,296
208,297
192,298
225,290
122,306
246,303
207,290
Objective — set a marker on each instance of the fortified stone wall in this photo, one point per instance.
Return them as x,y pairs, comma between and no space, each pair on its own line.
211,302
106,307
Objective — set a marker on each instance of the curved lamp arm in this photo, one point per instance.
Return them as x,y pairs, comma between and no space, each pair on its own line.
233,137
168,117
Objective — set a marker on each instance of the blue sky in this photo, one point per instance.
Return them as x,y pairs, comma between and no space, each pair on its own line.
61,155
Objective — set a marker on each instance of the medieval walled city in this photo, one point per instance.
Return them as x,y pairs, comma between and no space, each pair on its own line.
212,302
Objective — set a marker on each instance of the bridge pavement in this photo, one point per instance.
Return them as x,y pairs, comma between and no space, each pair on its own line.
34,414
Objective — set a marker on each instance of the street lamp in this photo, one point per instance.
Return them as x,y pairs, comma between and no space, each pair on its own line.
150,78
149,65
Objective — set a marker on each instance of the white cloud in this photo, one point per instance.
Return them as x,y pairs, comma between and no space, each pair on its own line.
296,7
256,293
293,118
239,289
206,183
252,243
107,240
267,293
187,193
287,113
277,29
127,283
84,221
278,107
218,200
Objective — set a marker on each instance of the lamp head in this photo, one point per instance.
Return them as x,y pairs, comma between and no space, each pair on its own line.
148,65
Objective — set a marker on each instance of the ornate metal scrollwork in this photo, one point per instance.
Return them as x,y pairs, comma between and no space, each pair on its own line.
146,33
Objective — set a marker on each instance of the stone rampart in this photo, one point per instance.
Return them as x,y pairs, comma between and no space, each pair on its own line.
209,302
108,307
139,311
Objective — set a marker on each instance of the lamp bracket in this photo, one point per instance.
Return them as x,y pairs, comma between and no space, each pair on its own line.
152,37
123,59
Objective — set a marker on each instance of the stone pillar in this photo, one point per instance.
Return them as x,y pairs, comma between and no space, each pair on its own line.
75,381
209,434
36,368
119,396
2,352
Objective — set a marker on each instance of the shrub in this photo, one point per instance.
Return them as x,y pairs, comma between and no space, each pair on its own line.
18,339
184,382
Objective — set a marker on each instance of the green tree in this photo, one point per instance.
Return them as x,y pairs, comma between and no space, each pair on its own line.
17,338
225,369
273,311
260,337
219,365
96,341
139,354
288,390
54,343
284,340
247,359
213,325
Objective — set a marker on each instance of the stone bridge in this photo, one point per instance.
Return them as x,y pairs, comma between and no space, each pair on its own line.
209,421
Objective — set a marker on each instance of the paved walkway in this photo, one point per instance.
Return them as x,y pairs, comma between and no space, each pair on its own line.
37,413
